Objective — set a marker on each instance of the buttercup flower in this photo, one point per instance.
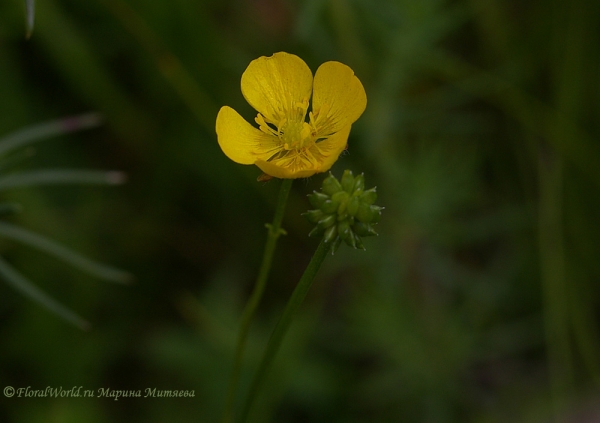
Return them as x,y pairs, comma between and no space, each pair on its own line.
286,145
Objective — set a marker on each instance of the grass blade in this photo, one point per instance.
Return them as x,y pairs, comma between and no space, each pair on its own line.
44,244
26,287
29,17
41,131
59,176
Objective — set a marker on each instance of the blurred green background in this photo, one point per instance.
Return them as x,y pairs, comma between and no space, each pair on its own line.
477,303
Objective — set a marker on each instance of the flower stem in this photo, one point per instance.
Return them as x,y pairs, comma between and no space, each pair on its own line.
274,231
284,323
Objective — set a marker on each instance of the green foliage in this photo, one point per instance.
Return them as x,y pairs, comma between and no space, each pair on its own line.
43,177
479,300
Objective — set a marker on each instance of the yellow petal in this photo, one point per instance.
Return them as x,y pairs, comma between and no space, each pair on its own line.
328,151
240,141
324,155
289,172
338,97
276,85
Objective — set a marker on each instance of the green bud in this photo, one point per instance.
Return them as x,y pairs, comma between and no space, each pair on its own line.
369,196
352,206
364,229
330,234
317,230
350,240
313,216
359,183
348,181
343,217
364,213
344,230
344,211
327,221
317,199
340,196
358,243
376,211
336,245
330,206
331,185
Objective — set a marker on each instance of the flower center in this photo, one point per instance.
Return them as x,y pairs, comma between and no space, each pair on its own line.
295,134
290,127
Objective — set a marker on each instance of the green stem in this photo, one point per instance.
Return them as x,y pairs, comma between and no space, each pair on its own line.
555,285
284,323
274,231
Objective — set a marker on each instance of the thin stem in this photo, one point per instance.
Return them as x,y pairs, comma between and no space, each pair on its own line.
554,280
274,231
284,323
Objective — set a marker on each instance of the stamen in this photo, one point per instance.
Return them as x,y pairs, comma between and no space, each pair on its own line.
278,155
300,141
324,123
264,126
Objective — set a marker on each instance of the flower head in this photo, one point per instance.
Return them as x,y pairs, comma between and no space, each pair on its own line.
287,144
344,210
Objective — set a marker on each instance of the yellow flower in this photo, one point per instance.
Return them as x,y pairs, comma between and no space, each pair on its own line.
286,145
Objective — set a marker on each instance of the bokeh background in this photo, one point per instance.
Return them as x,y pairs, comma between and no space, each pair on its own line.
477,303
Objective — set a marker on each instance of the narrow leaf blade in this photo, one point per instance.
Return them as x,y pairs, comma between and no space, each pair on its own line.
27,288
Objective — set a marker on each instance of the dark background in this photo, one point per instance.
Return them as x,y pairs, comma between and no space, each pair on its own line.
477,303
